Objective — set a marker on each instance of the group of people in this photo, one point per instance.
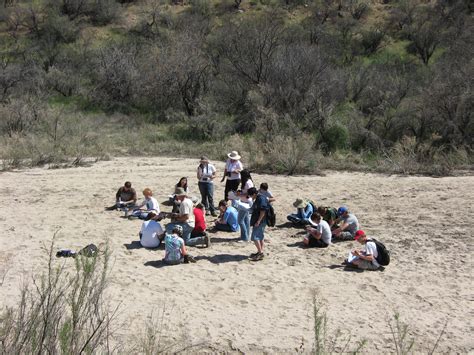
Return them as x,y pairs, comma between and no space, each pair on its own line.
327,224
243,208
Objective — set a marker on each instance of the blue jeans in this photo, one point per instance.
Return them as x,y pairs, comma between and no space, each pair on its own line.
207,195
187,229
244,222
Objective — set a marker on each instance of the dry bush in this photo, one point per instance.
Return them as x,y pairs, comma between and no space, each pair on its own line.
62,312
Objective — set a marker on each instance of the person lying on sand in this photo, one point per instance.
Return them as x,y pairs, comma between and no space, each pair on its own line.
151,233
303,214
348,224
319,233
365,259
175,249
185,218
228,222
125,198
150,203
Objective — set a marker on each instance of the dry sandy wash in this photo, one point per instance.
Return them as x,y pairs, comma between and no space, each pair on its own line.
233,304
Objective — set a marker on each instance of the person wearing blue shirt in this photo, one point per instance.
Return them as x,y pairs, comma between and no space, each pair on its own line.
258,221
228,220
303,214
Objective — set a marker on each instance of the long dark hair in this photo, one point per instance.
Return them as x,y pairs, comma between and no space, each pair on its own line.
185,187
245,176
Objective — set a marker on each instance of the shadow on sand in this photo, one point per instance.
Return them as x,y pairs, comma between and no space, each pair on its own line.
222,258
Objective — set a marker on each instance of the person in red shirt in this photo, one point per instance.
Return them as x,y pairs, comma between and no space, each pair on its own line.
199,221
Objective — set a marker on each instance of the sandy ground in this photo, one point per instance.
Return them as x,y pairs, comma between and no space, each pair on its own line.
231,303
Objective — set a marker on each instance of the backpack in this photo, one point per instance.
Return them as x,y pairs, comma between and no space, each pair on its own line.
271,217
383,257
315,208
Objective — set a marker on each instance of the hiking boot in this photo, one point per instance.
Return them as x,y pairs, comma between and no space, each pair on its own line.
189,259
257,257
207,241
253,255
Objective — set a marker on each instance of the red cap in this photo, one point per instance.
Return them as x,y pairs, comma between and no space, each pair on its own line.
359,234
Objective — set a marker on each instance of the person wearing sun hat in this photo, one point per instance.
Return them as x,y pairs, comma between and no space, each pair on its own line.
206,173
348,224
233,167
303,214
366,259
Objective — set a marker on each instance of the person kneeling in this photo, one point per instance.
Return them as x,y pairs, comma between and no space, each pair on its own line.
319,233
229,220
175,250
365,259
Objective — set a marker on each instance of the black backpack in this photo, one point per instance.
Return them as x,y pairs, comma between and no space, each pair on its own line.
383,257
271,217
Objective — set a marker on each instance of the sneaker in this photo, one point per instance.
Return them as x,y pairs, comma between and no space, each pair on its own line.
208,213
214,214
257,257
253,255
207,241
191,259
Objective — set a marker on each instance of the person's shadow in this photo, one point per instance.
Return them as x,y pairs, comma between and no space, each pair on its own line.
222,258
296,245
135,244
345,268
157,264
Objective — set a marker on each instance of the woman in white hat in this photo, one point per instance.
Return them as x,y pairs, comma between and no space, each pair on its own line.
233,167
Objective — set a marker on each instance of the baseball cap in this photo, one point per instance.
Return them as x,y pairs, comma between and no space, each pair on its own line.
359,234
341,210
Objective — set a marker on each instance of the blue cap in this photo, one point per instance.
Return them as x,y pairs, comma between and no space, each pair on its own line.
341,210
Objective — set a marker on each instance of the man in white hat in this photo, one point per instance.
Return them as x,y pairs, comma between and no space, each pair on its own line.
185,219
233,167
206,173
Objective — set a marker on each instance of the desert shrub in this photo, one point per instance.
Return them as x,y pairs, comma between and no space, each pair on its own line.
19,115
102,12
63,312
371,40
201,7
335,137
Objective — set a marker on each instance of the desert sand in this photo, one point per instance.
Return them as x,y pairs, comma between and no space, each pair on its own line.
233,304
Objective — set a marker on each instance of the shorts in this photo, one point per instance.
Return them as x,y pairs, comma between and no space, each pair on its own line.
258,233
316,243
366,265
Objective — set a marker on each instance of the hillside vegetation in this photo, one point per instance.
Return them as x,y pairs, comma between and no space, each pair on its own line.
295,85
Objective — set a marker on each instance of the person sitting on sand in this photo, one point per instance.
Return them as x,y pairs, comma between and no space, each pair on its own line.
150,203
183,183
258,221
228,222
329,214
243,204
151,233
348,224
175,248
319,233
199,222
125,198
233,167
185,218
366,259
264,191
303,214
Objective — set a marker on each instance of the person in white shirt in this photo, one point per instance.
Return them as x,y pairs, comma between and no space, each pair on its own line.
366,259
185,219
233,167
206,173
147,206
319,232
151,233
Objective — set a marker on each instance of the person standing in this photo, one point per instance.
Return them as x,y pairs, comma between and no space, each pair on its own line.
258,222
233,167
206,173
